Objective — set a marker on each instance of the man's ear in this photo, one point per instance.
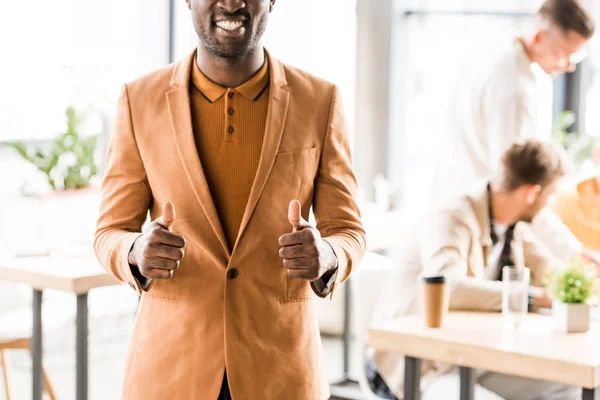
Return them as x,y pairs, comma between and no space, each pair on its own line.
271,5
532,192
540,35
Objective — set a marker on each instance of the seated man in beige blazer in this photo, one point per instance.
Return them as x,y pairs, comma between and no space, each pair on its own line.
469,240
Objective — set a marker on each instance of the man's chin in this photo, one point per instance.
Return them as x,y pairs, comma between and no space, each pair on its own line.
232,52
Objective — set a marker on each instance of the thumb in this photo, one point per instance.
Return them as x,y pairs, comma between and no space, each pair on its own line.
168,215
295,217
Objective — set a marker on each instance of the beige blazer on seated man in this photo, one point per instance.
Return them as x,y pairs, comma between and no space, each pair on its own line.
454,240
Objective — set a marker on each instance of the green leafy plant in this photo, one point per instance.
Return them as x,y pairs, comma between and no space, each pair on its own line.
573,283
68,161
578,145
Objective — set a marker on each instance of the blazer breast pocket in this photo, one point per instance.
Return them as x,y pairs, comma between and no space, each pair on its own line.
296,157
294,173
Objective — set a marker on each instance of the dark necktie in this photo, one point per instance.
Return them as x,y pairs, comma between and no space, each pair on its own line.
505,255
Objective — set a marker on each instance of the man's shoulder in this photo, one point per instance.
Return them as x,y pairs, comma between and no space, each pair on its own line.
461,211
155,82
302,81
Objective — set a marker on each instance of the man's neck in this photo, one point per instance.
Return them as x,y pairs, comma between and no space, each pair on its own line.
527,48
503,207
228,73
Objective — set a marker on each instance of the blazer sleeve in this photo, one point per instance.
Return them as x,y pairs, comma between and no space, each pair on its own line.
334,204
126,198
559,239
445,242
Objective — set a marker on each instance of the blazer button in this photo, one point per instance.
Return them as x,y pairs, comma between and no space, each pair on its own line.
232,273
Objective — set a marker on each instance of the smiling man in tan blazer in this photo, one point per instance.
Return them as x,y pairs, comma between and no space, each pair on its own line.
469,240
228,150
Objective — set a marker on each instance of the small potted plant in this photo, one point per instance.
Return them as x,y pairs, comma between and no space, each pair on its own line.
571,287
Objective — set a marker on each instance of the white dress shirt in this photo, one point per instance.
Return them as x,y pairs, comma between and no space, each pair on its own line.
495,102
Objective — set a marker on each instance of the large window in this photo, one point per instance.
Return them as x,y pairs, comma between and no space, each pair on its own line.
72,52
591,79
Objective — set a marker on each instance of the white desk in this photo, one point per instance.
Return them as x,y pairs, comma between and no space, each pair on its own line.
477,340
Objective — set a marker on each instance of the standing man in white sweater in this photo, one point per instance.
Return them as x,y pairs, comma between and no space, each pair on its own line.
494,104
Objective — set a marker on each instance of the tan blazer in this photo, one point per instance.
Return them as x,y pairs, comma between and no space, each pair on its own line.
260,326
455,241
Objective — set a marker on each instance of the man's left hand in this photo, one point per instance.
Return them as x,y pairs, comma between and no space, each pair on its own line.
305,254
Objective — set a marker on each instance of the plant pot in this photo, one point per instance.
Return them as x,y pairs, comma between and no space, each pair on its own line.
571,318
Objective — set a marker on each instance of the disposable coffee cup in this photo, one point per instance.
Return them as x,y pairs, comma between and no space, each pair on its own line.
434,290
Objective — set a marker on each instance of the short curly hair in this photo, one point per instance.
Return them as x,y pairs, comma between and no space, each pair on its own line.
531,162
568,15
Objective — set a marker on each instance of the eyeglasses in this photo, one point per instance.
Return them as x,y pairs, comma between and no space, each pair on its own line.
564,60
574,58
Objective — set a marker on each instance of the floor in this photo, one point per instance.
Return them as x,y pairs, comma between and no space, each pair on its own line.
109,335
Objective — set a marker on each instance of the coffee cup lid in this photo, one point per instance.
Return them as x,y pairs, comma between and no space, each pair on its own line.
434,279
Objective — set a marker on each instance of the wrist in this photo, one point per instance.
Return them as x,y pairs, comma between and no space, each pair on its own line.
331,260
132,256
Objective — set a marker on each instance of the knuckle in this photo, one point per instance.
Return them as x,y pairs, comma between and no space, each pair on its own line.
143,265
153,235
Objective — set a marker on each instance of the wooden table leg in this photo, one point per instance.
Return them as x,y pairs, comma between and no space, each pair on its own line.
467,384
412,378
589,394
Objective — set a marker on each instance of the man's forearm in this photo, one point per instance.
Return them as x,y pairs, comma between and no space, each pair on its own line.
476,294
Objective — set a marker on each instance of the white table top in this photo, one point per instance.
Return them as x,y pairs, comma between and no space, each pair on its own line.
478,340
70,272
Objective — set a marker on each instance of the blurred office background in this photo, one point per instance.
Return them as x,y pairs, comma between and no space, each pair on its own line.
393,61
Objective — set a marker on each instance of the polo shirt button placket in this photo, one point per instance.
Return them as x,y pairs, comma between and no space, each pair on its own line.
230,111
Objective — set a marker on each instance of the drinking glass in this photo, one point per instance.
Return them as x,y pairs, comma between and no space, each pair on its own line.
515,295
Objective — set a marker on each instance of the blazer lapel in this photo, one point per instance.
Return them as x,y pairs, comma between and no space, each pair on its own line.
178,101
276,117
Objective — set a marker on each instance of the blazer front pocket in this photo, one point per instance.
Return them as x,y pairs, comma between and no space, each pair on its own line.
302,157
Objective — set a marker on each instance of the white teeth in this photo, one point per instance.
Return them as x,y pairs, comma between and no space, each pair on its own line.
230,25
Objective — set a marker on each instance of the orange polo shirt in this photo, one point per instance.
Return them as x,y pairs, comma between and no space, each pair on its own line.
229,126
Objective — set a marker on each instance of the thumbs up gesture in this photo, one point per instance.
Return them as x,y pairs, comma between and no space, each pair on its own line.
158,251
305,254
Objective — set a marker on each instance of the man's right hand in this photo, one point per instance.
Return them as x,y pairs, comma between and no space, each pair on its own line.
158,251
540,297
